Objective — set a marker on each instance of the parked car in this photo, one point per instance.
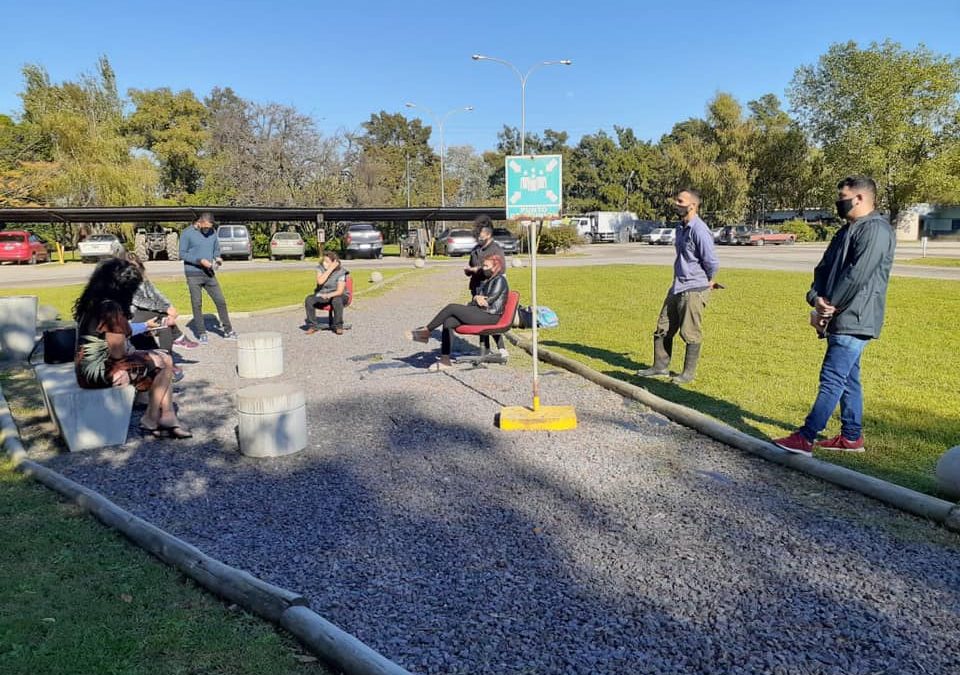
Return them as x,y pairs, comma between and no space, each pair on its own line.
99,246
361,239
235,242
762,237
287,244
731,234
20,246
455,242
641,227
661,235
508,242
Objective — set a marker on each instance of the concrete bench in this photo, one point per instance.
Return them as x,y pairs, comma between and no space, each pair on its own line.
260,354
18,326
86,418
273,420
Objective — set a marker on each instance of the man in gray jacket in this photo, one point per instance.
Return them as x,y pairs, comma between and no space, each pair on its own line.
849,295
200,253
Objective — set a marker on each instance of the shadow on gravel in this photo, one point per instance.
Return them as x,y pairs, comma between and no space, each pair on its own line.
719,408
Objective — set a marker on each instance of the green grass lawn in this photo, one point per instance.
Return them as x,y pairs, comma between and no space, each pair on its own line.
245,291
761,360
933,262
76,597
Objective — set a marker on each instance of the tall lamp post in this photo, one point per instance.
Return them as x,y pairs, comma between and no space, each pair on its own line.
523,88
440,121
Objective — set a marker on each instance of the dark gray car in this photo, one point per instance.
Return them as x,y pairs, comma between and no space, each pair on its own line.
508,242
361,239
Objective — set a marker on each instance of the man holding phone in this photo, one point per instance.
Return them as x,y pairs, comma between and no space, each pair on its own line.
200,253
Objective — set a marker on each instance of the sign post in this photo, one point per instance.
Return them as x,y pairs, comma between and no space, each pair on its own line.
534,192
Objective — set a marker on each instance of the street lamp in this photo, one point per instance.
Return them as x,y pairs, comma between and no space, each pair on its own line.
440,121
523,88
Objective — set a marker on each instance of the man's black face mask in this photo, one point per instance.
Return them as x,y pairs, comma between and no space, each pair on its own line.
844,207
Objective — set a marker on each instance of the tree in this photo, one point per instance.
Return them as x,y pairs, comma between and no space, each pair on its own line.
389,145
470,173
173,127
887,112
79,156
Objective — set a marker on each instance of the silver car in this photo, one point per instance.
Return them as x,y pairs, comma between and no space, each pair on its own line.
286,244
455,242
235,242
98,246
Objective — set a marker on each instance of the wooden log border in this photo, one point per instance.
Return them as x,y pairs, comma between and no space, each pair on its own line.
290,610
926,506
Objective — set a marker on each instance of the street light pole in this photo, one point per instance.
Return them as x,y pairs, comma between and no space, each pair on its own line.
523,88
440,121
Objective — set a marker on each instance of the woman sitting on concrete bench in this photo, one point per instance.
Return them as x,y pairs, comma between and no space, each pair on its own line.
105,357
485,308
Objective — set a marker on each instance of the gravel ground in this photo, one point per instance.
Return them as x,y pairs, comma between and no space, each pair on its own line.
631,545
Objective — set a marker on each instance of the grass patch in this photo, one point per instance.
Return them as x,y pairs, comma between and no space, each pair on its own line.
761,360
245,291
933,262
78,598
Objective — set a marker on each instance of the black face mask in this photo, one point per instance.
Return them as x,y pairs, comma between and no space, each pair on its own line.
207,231
844,207
681,211
487,272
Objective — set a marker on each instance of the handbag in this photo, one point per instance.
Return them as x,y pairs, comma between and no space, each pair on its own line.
59,345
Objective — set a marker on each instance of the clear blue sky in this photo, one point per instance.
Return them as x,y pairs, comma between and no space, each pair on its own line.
640,64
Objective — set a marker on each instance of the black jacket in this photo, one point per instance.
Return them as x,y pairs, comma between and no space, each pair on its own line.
477,256
495,289
853,275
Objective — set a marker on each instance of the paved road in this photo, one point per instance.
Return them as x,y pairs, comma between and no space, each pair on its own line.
630,545
799,258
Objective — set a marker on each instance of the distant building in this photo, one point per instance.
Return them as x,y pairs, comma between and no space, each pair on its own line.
813,215
928,220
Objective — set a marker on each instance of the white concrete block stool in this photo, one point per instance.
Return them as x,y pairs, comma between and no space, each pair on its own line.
273,420
260,354
948,473
18,326
86,418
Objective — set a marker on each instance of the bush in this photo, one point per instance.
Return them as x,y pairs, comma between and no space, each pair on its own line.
553,239
801,228
261,244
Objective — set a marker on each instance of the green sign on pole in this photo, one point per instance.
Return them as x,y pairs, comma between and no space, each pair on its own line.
534,186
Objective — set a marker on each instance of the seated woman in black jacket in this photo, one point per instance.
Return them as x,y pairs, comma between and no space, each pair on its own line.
485,308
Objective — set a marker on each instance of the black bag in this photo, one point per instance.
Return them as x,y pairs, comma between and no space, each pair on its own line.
59,345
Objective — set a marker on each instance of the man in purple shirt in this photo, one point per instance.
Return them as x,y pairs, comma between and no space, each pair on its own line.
693,273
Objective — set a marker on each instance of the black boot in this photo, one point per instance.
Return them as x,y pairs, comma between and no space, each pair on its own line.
689,365
662,348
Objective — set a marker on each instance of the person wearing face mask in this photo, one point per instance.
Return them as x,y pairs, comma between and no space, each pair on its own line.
200,253
694,268
848,296
485,308
486,247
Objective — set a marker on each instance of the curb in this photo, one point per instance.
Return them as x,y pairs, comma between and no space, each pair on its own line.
917,503
278,605
290,308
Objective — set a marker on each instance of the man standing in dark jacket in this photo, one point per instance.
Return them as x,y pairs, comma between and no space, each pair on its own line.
200,253
849,295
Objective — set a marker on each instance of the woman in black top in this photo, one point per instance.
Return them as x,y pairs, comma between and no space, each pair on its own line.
105,357
485,308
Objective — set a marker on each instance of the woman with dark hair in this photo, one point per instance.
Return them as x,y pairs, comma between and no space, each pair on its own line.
106,359
486,307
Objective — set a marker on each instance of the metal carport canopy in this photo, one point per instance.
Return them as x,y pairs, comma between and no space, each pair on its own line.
188,214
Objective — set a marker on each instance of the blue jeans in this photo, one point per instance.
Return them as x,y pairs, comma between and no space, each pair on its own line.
839,383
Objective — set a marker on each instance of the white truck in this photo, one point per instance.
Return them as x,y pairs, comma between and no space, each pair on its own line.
604,226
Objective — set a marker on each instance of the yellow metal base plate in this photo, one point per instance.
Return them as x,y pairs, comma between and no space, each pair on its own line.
546,418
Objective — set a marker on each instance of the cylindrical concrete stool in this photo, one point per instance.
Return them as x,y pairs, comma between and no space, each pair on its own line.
273,420
260,354
19,323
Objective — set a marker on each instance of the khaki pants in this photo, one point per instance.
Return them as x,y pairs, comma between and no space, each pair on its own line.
682,313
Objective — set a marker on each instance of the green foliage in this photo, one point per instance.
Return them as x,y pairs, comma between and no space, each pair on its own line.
891,113
552,239
801,228
260,243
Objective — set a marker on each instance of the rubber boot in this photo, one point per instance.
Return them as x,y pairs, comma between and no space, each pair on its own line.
661,358
689,365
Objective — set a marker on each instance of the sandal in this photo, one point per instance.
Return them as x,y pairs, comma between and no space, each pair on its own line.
174,431
148,431
419,335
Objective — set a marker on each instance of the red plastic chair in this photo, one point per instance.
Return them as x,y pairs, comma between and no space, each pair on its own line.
501,326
